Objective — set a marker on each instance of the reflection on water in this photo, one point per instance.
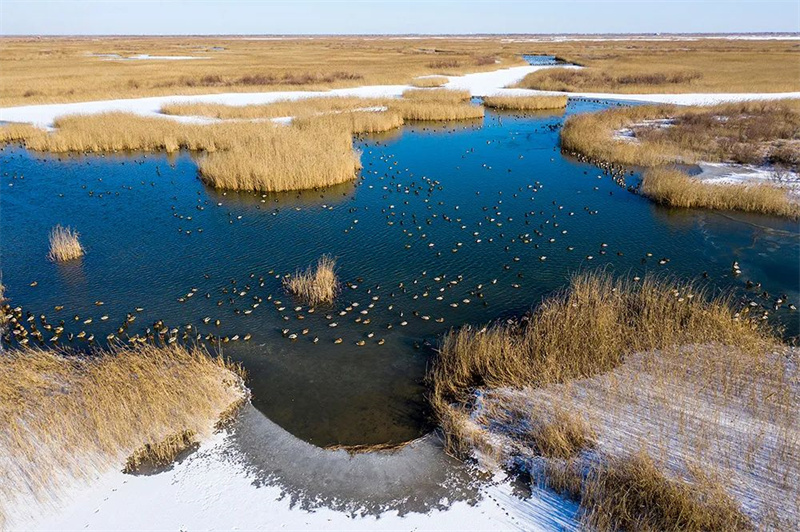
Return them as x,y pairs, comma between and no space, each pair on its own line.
447,224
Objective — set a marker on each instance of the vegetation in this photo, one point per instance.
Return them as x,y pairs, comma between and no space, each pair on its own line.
153,455
659,135
296,108
429,81
235,155
610,369
676,189
436,95
316,285
66,416
64,245
525,103
592,80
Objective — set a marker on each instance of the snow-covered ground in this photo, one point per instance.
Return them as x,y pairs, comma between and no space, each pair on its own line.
146,57
737,174
480,84
260,477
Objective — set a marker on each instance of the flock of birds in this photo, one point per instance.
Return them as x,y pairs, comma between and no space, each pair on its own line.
432,230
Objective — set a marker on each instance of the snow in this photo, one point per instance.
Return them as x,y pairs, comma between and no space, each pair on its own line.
219,487
141,57
479,84
737,174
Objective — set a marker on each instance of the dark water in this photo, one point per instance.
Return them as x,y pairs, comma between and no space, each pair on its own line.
154,233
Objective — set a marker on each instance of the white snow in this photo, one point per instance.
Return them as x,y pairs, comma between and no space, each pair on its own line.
215,488
737,174
144,57
479,84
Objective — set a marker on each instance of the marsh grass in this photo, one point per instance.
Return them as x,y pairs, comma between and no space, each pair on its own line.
64,244
303,107
68,417
257,156
745,133
429,81
449,96
590,79
525,103
155,455
568,392
676,189
317,284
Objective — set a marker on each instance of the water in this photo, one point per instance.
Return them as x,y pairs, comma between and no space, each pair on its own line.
141,216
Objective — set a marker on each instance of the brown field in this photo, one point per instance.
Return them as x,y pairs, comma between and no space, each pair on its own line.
525,103
617,393
59,69
66,417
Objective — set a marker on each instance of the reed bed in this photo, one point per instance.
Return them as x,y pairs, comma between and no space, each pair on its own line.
526,103
676,189
67,417
599,372
428,82
64,244
759,133
435,111
234,155
317,284
590,79
354,122
297,108
449,96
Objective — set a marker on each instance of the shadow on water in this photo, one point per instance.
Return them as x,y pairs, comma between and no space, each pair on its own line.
448,224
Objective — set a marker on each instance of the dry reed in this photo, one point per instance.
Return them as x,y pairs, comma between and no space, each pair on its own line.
317,284
525,103
676,189
436,95
64,245
66,417
428,82
529,392
154,455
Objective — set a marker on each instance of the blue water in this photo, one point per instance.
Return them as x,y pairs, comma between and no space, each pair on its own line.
471,204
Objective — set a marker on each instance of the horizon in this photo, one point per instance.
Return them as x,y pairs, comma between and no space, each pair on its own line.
66,18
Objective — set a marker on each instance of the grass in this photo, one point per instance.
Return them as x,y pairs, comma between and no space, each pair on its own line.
317,284
429,81
611,372
449,96
54,69
525,103
761,133
232,155
674,188
298,108
67,417
154,455
64,245
593,80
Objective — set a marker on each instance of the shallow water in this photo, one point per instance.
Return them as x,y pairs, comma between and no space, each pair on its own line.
153,233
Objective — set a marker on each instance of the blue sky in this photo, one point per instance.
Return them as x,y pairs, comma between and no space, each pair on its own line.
72,17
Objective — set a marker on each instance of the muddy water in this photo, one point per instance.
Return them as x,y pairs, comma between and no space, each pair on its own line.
437,213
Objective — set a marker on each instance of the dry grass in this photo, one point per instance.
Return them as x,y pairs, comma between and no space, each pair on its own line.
64,245
428,82
448,96
746,133
235,155
317,284
593,80
154,455
67,417
38,70
438,111
525,103
296,108
594,383
676,189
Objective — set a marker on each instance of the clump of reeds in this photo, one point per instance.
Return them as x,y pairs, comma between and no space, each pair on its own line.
302,107
67,416
588,79
153,455
519,392
354,122
317,284
525,103
676,189
632,492
438,111
429,81
436,95
64,244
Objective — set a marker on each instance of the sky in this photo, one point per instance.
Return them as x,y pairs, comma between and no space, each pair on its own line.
198,17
